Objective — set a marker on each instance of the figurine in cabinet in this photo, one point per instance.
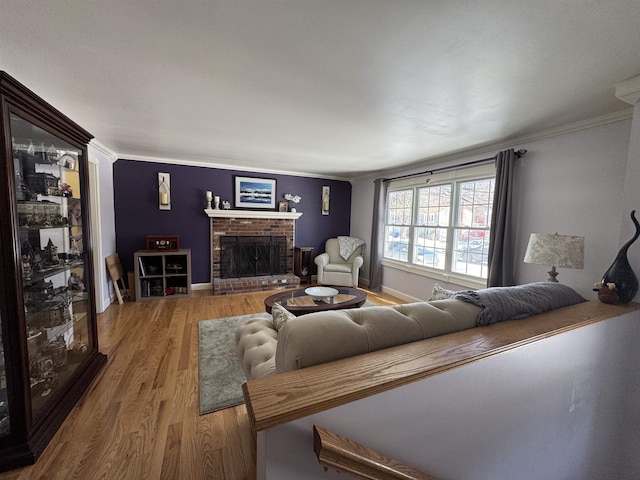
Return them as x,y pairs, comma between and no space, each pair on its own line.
75,283
65,190
52,154
35,260
75,212
51,252
27,271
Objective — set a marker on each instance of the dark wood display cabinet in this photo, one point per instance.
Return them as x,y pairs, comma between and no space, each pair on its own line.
48,337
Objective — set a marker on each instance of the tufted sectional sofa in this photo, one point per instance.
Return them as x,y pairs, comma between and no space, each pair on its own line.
322,337
266,347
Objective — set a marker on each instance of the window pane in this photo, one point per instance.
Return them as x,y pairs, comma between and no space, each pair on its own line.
476,198
396,244
399,212
430,247
400,207
434,206
471,252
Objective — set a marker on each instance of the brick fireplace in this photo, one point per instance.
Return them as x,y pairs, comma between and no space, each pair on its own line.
240,224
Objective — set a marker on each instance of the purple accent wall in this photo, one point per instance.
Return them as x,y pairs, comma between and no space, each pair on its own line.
137,215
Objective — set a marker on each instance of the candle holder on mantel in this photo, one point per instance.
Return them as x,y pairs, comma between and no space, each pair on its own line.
216,202
209,197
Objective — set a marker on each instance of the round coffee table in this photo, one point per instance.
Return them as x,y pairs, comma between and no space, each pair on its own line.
299,303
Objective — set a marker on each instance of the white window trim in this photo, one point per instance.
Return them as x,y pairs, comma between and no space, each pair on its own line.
459,175
455,278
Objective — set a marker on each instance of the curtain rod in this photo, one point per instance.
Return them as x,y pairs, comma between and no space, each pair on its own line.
520,153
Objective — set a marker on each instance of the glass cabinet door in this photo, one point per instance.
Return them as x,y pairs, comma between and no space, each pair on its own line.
56,304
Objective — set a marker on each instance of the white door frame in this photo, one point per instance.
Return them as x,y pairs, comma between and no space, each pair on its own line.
99,268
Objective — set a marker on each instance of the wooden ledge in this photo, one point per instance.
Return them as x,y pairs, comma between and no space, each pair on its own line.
269,214
289,396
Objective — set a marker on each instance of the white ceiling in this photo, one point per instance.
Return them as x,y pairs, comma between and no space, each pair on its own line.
325,87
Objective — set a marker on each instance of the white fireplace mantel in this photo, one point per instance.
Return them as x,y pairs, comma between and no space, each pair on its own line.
213,213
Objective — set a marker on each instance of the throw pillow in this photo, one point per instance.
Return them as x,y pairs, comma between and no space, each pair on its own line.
439,293
280,315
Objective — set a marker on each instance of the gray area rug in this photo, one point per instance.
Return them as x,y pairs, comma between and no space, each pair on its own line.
220,374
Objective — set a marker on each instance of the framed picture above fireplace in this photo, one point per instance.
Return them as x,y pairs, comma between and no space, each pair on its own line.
252,192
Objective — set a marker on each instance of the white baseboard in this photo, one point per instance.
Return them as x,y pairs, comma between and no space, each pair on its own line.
202,286
400,295
364,282
106,302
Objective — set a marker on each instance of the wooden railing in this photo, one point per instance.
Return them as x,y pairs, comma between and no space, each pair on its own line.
343,455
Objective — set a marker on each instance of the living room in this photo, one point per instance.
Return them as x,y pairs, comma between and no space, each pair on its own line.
578,177
591,148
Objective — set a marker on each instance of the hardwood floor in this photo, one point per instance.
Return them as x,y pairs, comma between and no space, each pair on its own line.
139,419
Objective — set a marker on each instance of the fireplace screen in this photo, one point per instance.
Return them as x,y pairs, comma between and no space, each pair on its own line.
252,256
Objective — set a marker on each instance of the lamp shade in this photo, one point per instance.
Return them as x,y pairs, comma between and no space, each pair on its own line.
555,250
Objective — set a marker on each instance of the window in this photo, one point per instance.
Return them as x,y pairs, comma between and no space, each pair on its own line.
442,226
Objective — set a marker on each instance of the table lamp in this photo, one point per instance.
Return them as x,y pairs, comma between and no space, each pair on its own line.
555,250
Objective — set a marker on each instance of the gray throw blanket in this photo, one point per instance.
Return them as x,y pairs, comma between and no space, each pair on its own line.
512,303
348,245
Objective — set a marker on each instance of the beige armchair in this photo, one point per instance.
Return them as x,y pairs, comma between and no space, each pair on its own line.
333,269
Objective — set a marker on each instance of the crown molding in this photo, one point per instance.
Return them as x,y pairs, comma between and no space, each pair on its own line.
482,149
225,166
492,147
104,149
614,117
629,90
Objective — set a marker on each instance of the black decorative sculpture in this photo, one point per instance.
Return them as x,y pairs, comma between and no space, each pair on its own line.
620,272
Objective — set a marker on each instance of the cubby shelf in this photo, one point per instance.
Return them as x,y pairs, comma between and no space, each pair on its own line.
162,274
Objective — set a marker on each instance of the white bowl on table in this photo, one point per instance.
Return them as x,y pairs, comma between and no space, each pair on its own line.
321,293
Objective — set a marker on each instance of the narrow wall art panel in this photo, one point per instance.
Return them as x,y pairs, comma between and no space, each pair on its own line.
326,193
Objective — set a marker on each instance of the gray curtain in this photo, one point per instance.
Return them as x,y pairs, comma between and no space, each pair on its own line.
377,234
502,238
